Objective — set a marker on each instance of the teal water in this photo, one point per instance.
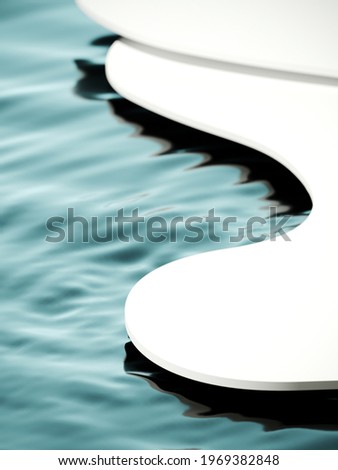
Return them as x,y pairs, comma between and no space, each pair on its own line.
69,377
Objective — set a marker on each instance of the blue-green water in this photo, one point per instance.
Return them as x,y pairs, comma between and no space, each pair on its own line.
69,378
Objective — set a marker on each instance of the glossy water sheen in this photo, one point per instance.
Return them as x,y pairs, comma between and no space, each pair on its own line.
69,377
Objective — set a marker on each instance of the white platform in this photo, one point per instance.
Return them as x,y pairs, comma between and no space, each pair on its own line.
262,316
299,36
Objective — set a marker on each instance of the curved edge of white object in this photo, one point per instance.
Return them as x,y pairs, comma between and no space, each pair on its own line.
263,316
285,35
272,114
167,337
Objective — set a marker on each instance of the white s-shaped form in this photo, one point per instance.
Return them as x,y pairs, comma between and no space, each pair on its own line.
265,74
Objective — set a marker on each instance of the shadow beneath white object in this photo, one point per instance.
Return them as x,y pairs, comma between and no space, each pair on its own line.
274,410
284,186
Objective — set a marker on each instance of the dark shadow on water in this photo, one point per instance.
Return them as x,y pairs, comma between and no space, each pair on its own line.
105,41
283,185
274,410
93,85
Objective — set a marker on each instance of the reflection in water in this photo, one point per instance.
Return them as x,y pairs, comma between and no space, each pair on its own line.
275,410
105,41
284,186
94,84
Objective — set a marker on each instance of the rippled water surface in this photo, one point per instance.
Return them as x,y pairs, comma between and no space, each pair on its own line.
69,377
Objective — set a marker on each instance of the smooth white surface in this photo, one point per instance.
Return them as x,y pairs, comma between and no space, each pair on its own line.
262,316
299,36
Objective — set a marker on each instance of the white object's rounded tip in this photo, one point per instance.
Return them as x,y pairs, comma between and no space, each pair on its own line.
232,318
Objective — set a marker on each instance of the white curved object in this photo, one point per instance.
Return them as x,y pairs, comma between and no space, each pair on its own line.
262,316
298,36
